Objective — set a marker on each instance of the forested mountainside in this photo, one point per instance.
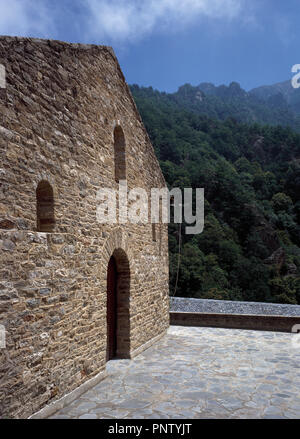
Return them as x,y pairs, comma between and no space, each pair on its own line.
249,249
289,94
274,105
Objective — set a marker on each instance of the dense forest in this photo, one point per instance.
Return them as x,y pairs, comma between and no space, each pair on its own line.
249,249
274,105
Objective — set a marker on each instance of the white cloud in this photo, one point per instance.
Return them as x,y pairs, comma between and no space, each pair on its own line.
134,19
109,20
24,18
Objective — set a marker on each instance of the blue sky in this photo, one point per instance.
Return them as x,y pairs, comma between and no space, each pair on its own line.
167,43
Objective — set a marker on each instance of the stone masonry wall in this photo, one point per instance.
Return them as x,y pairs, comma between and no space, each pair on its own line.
57,120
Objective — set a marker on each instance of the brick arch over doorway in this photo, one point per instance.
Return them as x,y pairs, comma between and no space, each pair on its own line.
116,247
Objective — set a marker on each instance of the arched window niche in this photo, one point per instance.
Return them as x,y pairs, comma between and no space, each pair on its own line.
120,154
45,207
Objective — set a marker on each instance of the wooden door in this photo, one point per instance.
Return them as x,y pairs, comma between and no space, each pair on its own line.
111,309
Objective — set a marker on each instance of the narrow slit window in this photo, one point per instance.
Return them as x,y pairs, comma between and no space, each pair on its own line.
120,154
160,238
154,239
45,207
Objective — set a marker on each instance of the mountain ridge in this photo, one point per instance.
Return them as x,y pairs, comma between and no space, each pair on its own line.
277,104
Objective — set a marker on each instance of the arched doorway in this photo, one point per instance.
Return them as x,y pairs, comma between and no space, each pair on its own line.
112,279
118,318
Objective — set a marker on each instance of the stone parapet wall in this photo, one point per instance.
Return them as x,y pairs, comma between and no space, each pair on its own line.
208,306
234,321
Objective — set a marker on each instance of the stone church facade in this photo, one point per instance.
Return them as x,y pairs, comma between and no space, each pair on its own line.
69,127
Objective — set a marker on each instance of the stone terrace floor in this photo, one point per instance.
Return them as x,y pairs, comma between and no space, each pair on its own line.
200,373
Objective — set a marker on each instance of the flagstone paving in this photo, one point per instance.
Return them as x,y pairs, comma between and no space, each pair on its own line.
200,373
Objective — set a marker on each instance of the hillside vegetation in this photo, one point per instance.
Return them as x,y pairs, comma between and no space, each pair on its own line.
274,105
249,249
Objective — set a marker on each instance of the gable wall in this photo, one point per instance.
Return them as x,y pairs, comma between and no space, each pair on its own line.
57,118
